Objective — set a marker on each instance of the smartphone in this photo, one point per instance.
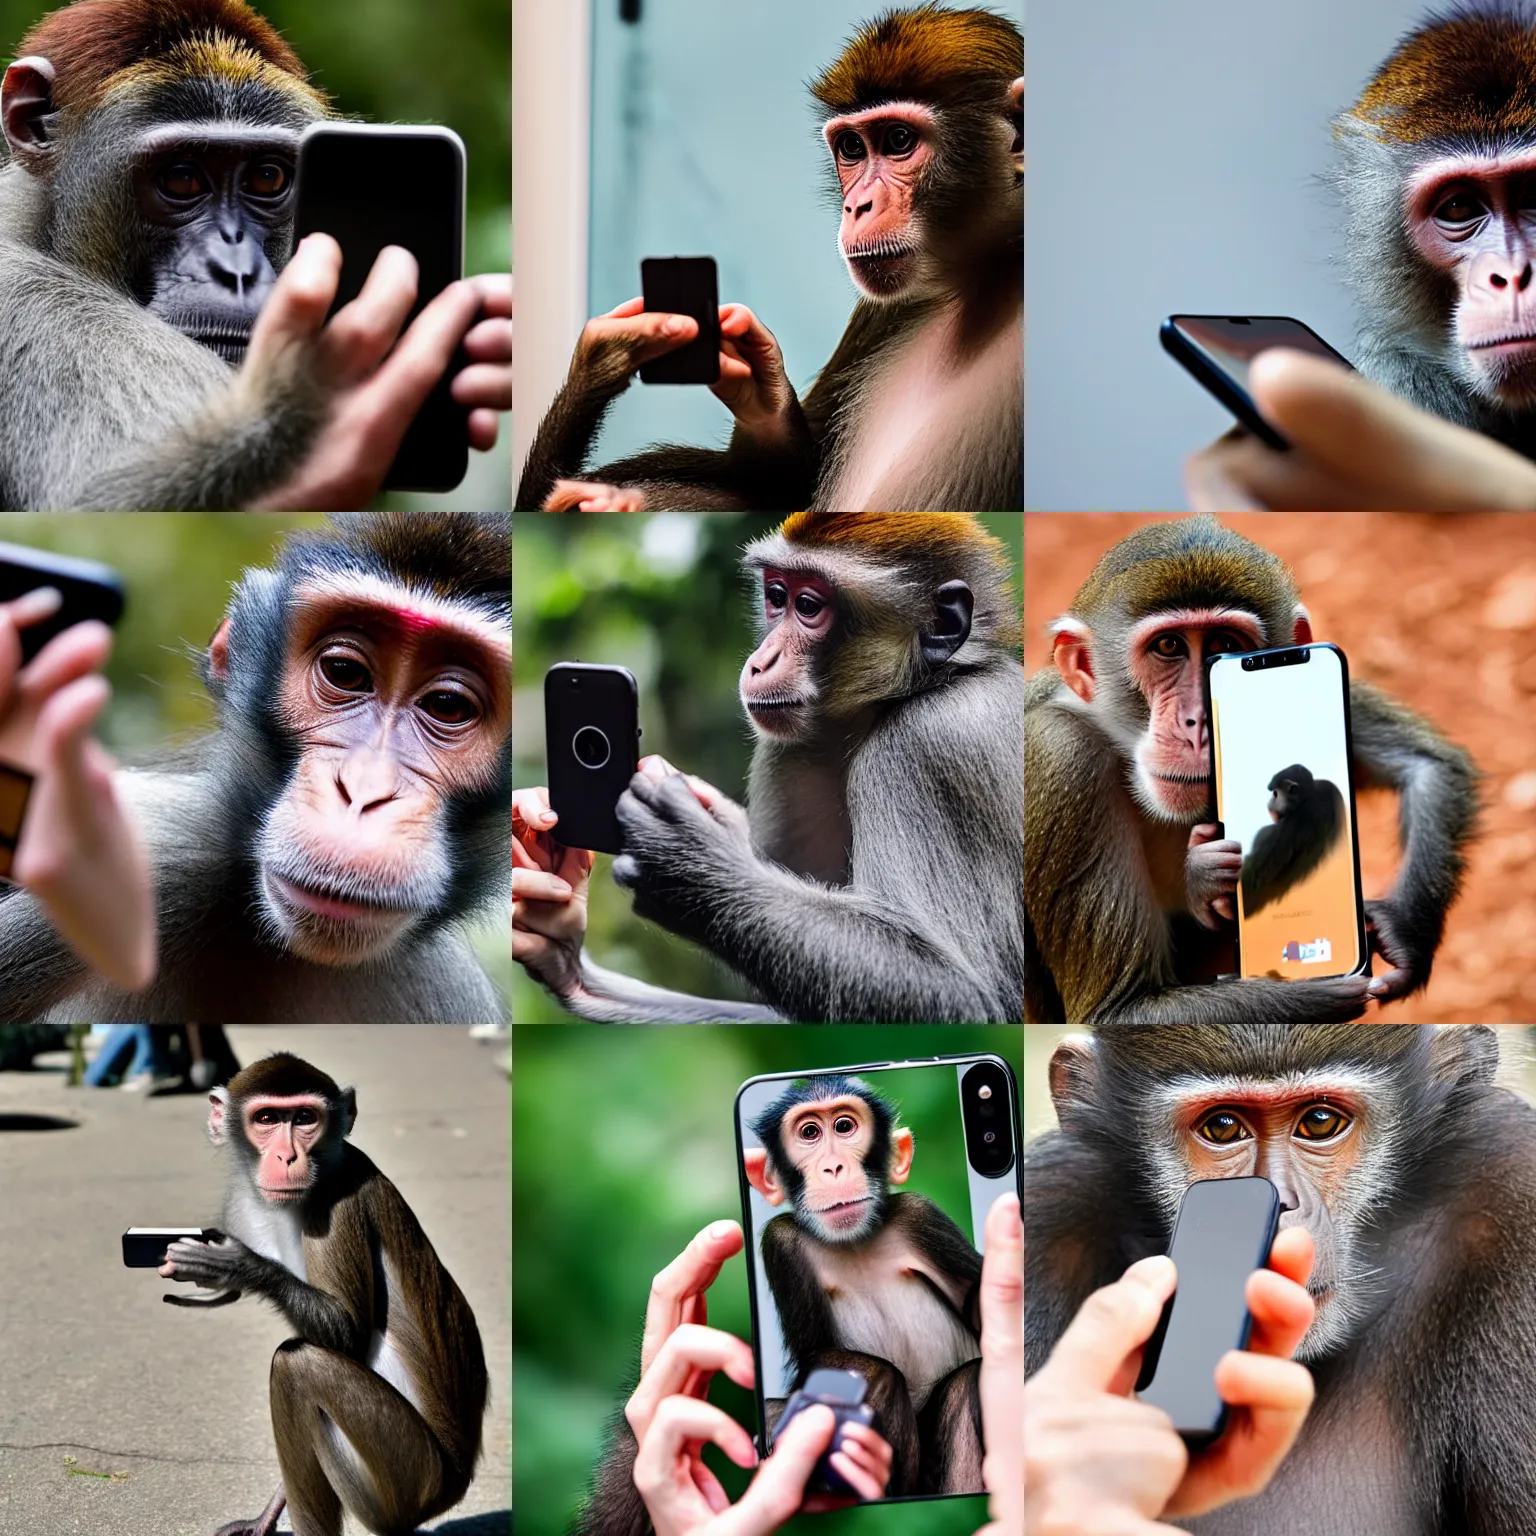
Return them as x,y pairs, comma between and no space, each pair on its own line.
830,1240
684,285
90,591
1281,751
592,750
1217,349
144,1247
1224,1232
370,186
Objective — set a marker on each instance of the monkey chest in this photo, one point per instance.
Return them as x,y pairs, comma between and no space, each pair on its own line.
898,1316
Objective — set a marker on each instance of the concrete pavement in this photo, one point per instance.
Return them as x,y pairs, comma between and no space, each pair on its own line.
172,1403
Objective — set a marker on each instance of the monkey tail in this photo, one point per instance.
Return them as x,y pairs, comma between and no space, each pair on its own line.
218,1299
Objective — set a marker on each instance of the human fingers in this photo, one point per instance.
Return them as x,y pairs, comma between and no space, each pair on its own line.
300,300
684,1365
31,608
536,885
679,1427
1110,1324
80,649
62,727
494,290
778,1490
359,335
1292,1254
644,336
489,341
484,429
1282,1313
626,309
685,1280
483,387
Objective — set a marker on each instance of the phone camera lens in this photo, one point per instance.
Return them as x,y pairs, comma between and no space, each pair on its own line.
989,1137
591,747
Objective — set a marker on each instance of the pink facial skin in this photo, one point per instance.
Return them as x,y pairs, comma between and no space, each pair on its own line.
1475,219
1167,662
880,155
777,690
284,1132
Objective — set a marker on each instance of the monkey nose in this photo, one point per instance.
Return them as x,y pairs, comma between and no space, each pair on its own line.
1519,280
367,780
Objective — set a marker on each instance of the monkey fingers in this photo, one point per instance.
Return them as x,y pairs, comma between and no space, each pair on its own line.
686,1364
592,496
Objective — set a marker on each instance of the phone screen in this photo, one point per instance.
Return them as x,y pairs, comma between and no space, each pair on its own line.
1231,343
370,187
865,1196
1280,733
1224,1232
591,744
684,285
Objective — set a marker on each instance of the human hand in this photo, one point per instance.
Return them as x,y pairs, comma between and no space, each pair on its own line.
592,496
1354,446
369,379
1211,870
550,885
1002,1368
79,851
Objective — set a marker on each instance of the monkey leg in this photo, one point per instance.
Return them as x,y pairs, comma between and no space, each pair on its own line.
264,1523
949,1431
347,1438
892,1403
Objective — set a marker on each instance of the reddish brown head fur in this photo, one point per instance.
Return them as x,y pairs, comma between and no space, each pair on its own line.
925,53
92,41
1471,72
893,534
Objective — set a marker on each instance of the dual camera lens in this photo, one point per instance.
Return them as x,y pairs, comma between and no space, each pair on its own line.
987,1108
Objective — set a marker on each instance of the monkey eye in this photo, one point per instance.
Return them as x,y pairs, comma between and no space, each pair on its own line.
809,1131
265,1117
182,182
345,672
269,179
306,1117
1460,209
1322,1122
845,1125
900,139
1223,1128
1224,642
1169,647
848,146
449,706
808,605
776,594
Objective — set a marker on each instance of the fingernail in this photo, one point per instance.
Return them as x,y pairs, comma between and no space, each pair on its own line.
722,1228
546,817
559,887
674,327
1155,1269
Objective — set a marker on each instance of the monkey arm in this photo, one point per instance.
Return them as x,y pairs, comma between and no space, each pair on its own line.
949,1253
1436,782
805,1314
38,968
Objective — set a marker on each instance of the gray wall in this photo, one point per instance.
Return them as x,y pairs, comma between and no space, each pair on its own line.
1173,157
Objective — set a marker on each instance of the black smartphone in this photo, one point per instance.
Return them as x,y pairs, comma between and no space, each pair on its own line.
144,1247
878,1260
684,285
370,186
592,749
1281,749
90,591
844,1393
1217,350
1224,1232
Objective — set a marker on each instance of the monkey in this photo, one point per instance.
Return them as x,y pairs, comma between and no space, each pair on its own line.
921,402
1416,1176
1122,866
316,856
1307,823
146,208
877,874
1433,168
863,1280
377,1400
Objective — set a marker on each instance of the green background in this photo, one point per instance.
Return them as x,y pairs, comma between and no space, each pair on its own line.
179,569
663,595
623,1148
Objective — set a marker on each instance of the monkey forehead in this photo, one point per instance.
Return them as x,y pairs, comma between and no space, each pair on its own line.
483,622
905,111
1428,179
1241,619
285,1101
845,1102
217,65
215,134
1183,1095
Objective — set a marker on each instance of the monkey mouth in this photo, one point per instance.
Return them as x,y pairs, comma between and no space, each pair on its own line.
778,717
283,1194
304,898
845,1215
227,339
882,268
1515,341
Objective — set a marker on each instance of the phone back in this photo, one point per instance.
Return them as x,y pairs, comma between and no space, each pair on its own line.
1281,744
684,285
591,743
865,1192
370,186
1224,1232
90,591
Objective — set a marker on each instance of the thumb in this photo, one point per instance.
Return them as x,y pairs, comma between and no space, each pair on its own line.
295,310
778,1490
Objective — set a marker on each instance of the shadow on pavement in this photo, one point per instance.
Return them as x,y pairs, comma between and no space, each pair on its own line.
495,1524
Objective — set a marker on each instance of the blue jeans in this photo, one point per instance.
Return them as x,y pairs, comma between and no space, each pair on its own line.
148,1055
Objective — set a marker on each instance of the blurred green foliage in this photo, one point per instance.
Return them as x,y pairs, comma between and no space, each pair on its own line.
623,1148
662,595
179,569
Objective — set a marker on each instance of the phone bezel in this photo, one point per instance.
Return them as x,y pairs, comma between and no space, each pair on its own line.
1363,948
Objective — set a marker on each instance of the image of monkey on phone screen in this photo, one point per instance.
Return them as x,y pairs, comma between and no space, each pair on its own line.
1306,822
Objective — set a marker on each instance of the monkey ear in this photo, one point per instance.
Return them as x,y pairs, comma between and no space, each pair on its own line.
218,653
760,1175
902,1148
348,1110
27,112
1074,1077
1071,651
218,1121
952,606
1464,1053
1016,112
1301,630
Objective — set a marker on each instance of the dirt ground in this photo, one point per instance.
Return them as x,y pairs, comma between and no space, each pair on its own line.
1440,610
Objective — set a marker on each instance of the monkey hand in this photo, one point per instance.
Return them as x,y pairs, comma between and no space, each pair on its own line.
1389,932
590,496
1211,872
753,382
614,346
681,843
218,1266
549,895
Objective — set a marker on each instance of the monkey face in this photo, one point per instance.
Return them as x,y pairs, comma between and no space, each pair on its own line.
828,1144
780,686
1282,798
283,1135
